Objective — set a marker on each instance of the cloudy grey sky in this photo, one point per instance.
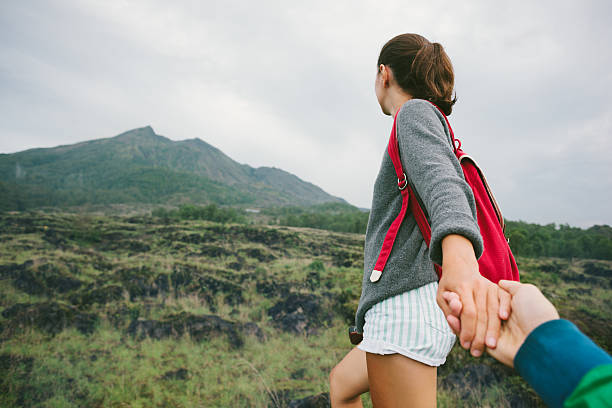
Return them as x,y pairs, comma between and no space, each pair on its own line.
291,85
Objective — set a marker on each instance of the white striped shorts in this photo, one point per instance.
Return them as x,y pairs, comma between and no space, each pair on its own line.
411,324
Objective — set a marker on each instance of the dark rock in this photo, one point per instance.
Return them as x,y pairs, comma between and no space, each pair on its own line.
42,279
179,374
155,329
193,238
85,322
344,303
314,401
252,329
187,278
162,281
12,270
182,276
551,267
576,293
266,236
11,361
232,291
313,280
298,374
140,282
101,295
199,328
592,280
271,288
51,317
259,254
298,313
596,269
344,258
29,282
54,238
74,268
318,248
214,251
102,265
135,246
120,314
56,280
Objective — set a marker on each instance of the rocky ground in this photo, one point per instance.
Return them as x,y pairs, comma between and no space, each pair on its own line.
129,311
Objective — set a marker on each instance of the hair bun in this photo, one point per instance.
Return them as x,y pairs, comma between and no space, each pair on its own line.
421,68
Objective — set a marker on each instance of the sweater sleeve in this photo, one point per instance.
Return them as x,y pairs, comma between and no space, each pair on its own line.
436,175
554,359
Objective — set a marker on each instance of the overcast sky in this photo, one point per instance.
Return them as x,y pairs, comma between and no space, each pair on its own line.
277,83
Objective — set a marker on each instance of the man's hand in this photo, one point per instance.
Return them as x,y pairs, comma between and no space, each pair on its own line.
529,310
483,304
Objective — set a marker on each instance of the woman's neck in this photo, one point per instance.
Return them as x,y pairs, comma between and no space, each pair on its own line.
396,101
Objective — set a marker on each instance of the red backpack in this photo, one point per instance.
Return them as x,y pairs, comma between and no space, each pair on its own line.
497,261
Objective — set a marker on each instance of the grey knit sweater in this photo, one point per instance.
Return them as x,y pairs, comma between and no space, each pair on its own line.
435,175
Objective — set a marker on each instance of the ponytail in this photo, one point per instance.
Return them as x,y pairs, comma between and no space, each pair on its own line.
421,68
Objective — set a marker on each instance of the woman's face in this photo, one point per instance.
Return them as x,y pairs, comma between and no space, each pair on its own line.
379,87
382,78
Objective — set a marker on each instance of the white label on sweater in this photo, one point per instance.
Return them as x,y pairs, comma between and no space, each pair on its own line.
375,276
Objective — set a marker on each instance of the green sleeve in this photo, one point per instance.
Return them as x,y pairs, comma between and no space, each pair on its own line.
594,389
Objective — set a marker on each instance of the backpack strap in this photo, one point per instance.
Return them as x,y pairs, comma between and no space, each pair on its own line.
406,191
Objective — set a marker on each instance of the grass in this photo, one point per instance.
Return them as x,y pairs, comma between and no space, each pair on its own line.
107,368
110,368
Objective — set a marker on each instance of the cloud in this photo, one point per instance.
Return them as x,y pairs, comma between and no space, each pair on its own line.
291,85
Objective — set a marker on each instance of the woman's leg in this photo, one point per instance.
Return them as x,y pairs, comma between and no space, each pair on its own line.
348,380
398,381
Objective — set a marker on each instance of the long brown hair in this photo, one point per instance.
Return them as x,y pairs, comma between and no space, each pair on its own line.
421,68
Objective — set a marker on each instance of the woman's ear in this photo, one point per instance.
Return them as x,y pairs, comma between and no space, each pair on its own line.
385,74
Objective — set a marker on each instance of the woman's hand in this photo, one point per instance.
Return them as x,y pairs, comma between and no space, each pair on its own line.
483,303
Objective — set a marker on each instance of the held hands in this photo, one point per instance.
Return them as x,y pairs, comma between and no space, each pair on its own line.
476,312
529,310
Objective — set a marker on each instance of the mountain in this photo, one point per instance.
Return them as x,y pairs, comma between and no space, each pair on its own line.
140,166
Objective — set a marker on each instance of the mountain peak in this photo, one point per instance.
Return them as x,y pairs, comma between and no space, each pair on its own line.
145,132
142,166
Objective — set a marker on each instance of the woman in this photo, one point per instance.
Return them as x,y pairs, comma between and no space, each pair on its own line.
405,334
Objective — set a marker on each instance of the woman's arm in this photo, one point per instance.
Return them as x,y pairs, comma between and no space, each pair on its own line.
436,175
483,304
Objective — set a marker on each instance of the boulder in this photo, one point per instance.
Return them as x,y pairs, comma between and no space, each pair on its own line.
298,313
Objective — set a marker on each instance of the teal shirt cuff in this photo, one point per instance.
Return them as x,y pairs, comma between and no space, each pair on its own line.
554,358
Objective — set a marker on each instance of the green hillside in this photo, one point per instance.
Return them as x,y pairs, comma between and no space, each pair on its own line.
140,166
152,311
